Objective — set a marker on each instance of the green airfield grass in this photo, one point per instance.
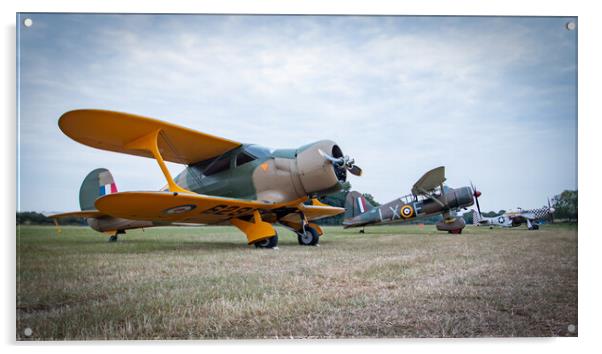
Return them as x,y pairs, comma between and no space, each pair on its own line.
206,283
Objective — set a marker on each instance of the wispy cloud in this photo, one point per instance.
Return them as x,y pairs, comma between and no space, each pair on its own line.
491,98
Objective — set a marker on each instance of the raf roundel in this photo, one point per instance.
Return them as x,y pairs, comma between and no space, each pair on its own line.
407,211
180,209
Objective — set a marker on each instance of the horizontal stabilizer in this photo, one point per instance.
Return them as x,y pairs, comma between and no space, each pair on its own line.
429,181
79,214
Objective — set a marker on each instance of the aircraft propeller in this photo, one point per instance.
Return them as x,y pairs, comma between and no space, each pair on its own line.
551,210
343,162
476,195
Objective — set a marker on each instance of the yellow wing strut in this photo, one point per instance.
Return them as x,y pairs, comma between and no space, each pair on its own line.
150,143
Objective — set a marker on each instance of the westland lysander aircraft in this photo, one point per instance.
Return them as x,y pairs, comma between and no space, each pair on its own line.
225,182
429,197
532,217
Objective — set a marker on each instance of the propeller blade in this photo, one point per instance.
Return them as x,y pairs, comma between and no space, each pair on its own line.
338,161
551,210
355,170
476,195
343,162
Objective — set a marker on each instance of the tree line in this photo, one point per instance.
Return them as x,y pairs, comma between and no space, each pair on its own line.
565,203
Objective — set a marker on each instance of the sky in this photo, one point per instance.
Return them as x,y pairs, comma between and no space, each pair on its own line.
493,99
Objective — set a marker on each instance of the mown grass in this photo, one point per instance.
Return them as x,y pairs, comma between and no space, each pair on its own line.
205,282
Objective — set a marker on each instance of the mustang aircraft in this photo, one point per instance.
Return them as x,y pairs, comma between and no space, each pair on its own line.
531,217
429,197
224,182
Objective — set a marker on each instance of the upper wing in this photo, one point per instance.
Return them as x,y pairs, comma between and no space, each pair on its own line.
181,207
79,214
112,131
429,181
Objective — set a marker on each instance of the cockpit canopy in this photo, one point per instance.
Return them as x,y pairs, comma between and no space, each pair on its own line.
231,159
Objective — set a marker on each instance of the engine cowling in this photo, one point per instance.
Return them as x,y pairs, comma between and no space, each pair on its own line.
316,172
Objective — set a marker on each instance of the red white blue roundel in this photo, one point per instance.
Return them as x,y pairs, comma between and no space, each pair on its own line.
407,211
179,209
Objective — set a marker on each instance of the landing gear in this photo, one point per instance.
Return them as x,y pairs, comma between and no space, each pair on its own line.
308,238
455,231
113,238
534,227
362,231
270,242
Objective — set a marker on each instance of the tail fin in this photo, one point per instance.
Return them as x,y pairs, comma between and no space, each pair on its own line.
476,218
356,204
97,183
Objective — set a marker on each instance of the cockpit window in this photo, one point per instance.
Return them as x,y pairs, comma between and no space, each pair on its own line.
243,158
257,150
219,165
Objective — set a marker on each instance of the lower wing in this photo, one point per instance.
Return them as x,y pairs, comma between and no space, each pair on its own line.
182,207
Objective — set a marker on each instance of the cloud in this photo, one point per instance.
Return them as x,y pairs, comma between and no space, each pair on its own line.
491,98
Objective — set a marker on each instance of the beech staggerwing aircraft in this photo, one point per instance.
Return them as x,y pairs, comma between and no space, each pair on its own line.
224,183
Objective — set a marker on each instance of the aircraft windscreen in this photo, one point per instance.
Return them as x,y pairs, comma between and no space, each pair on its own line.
257,150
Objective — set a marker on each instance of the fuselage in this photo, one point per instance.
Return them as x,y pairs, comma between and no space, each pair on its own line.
254,172
517,218
410,207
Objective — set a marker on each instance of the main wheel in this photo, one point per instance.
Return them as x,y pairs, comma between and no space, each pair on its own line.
308,238
113,238
269,242
534,227
455,231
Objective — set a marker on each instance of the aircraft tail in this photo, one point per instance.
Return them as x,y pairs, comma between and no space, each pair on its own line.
356,204
476,218
97,183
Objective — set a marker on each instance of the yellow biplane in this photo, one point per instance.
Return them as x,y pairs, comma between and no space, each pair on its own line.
225,182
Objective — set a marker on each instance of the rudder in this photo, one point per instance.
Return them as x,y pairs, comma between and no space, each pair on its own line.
356,204
97,183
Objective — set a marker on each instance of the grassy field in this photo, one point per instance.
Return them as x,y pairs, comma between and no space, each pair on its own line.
393,281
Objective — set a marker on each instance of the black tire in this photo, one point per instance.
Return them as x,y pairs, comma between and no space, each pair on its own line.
455,231
309,238
269,242
113,238
534,227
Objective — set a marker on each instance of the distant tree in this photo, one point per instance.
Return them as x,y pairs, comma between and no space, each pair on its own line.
370,199
467,218
338,200
566,205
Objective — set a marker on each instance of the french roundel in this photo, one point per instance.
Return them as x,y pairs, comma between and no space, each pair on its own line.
407,211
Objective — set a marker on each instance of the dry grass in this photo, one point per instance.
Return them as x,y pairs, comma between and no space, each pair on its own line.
396,281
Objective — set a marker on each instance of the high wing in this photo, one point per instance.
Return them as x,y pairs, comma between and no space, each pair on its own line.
182,207
115,131
429,181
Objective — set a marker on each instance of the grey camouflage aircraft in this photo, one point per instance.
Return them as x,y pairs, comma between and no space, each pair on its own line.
429,197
